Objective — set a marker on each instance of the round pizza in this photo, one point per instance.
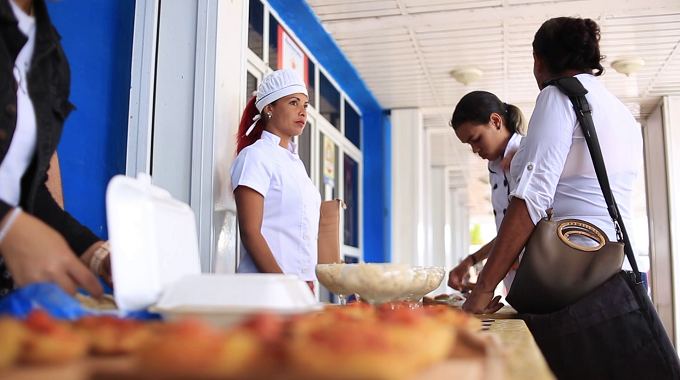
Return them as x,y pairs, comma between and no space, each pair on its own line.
193,348
389,345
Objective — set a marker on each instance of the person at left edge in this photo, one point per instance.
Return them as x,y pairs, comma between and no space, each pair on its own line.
38,240
277,203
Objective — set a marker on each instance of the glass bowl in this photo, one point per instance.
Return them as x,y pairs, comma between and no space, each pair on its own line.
418,285
379,283
330,276
434,279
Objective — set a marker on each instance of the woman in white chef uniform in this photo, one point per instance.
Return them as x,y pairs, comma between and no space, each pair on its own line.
277,203
494,130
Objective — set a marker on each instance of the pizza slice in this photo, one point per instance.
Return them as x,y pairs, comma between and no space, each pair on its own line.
12,336
51,342
109,335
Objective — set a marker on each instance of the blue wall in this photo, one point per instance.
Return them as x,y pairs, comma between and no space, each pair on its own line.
97,39
302,20
387,186
375,249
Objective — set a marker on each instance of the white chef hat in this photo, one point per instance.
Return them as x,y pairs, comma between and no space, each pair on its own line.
275,86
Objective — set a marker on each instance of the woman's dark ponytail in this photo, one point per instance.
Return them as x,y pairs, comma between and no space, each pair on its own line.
515,120
477,106
249,113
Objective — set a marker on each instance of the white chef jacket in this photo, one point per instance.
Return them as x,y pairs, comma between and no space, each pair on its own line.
498,180
553,167
292,204
500,190
22,147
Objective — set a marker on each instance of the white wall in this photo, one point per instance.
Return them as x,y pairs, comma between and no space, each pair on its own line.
174,97
187,80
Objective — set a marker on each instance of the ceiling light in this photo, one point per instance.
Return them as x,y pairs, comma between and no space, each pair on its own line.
467,75
628,65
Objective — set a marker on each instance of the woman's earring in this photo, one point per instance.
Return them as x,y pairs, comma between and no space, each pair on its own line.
269,115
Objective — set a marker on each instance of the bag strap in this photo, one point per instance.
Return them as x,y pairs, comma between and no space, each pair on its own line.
573,88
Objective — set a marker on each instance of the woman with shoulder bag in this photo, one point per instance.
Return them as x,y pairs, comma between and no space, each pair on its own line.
613,331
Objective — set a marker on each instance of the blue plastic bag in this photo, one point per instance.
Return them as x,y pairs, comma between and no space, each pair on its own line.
60,305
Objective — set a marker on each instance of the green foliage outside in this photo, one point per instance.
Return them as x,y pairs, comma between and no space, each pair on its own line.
476,235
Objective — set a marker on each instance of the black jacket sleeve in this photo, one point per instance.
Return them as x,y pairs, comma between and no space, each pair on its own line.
79,237
4,209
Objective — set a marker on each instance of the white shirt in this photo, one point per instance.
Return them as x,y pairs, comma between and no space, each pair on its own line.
553,167
292,204
500,191
22,146
498,180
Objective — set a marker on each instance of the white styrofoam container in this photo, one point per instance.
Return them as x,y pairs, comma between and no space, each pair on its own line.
224,299
155,262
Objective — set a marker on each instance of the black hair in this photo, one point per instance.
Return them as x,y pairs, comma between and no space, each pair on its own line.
569,43
477,106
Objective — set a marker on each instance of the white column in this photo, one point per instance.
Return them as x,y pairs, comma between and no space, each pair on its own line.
428,201
439,199
671,121
460,226
232,29
408,231
454,229
658,214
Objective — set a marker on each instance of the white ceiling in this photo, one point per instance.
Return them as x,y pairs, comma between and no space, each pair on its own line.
405,50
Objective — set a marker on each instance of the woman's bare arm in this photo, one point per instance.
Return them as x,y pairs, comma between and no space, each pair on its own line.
250,205
513,235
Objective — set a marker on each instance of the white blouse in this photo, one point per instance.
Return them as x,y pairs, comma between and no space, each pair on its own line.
553,167
292,203
498,180
500,191
22,147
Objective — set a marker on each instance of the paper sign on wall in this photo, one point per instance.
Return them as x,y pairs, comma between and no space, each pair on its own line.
290,55
328,161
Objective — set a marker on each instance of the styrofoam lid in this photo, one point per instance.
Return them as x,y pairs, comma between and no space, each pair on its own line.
153,240
243,293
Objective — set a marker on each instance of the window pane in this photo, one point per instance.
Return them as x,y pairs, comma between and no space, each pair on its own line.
329,102
251,85
352,202
256,27
328,168
311,83
273,43
305,147
352,125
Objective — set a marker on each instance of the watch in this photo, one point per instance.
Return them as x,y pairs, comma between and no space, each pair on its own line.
98,257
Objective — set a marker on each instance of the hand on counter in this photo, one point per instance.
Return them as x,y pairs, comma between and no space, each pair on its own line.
459,273
480,302
34,252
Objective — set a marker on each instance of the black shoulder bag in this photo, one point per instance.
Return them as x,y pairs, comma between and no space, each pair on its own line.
613,332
